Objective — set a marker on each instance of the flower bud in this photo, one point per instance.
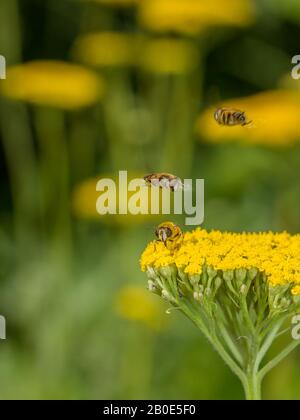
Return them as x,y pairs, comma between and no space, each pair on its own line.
169,271
182,275
152,286
228,275
252,273
198,296
166,295
244,289
240,275
211,272
151,273
218,283
195,280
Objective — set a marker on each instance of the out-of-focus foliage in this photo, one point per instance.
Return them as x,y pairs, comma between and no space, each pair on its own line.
287,9
98,86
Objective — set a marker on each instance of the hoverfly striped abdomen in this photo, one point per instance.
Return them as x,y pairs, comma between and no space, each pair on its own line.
231,117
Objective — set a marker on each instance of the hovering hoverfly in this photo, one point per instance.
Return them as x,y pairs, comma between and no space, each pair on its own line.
164,180
170,234
231,117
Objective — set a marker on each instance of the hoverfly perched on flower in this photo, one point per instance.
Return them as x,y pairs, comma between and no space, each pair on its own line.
231,117
170,234
164,180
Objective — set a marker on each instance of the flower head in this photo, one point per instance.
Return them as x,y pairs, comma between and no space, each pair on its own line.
169,56
276,255
193,16
53,83
106,49
238,289
116,3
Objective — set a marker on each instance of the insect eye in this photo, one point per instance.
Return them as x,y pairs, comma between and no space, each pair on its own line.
242,118
168,232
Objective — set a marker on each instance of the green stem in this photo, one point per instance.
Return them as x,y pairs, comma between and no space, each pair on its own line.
178,136
281,356
55,179
16,135
267,344
213,339
252,386
247,317
231,344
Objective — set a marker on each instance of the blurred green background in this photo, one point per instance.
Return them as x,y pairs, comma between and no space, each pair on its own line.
113,85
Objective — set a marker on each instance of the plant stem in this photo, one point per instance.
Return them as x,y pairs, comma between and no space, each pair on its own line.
55,182
252,386
274,362
214,340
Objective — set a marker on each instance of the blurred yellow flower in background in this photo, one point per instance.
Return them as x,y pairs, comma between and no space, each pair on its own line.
116,3
116,49
169,56
193,16
53,83
106,49
85,196
84,200
137,304
274,115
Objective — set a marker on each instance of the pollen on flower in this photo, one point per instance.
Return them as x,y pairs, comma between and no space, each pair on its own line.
276,255
156,255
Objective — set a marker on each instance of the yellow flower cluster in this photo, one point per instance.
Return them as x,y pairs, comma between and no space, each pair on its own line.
194,16
53,83
168,56
277,255
106,49
159,55
116,3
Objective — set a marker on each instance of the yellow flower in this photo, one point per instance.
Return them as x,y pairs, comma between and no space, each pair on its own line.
169,56
116,3
84,200
85,196
53,83
276,255
274,115
106,49
193,16
296,291
137,304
